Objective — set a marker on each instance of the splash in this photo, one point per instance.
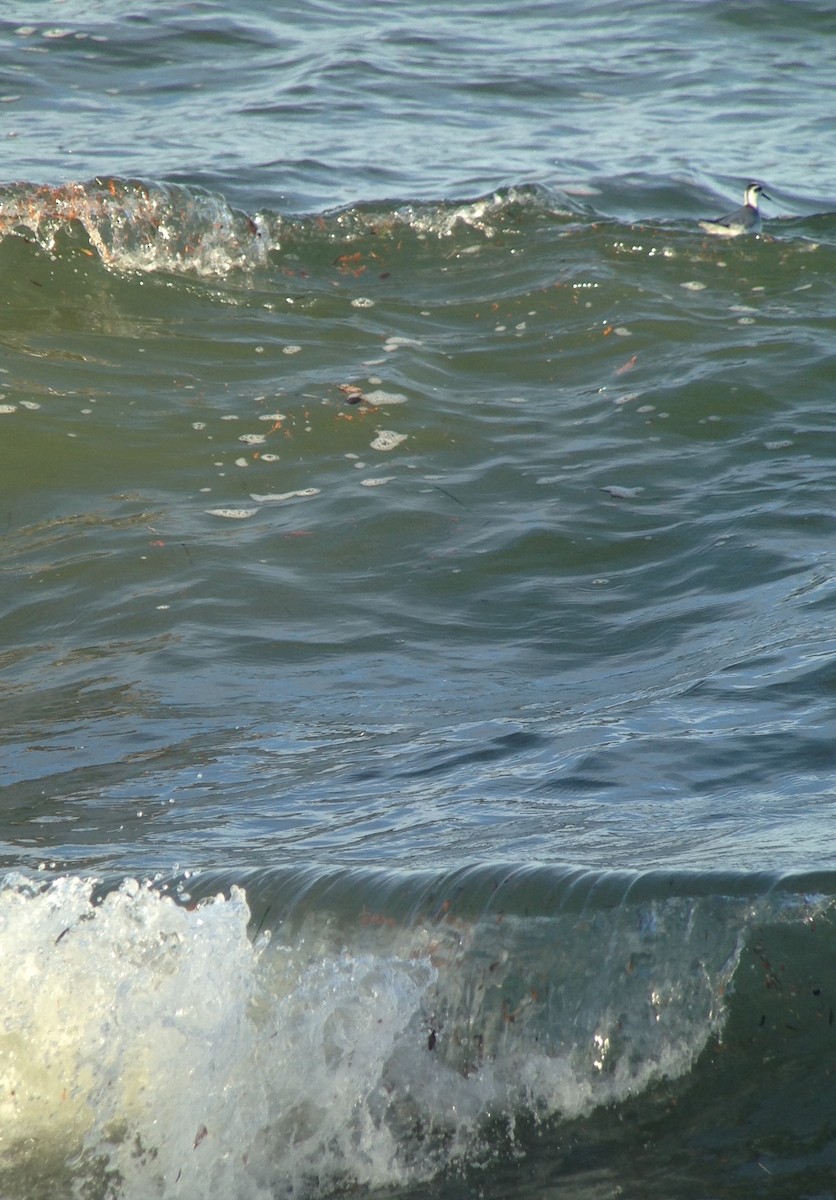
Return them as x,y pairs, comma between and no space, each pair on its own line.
155,1048
152,1050
140,226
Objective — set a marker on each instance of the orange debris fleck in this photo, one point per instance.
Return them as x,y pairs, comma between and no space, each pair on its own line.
628,366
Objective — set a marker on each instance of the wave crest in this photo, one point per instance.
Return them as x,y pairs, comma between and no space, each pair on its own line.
140,226
133,225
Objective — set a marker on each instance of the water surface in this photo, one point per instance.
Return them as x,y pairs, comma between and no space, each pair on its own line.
416,562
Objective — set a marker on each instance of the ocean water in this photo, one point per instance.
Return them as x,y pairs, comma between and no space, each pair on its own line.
417,588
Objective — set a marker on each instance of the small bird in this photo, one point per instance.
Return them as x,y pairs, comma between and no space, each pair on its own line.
744,220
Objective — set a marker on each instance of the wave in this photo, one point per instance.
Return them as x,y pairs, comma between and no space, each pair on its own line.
304,1030
135,225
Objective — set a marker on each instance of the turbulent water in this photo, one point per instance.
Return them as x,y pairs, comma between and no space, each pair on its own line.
511,1030
416,576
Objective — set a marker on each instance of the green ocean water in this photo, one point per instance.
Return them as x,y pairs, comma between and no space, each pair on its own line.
415,560
491,483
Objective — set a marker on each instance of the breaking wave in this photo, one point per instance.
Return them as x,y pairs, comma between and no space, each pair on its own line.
319,1030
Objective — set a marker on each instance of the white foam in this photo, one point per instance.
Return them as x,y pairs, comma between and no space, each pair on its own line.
279,497
160,1044
380,397
387,439
232,514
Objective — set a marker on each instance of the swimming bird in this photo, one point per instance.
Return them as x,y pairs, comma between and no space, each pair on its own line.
744,220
